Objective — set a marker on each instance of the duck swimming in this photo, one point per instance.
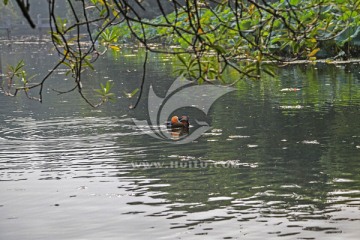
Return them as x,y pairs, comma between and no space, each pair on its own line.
179,122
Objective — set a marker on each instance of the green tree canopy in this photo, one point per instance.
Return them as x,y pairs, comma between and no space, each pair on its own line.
210,36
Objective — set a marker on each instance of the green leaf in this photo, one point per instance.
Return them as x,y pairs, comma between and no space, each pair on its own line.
109,85
219,49
181,59
294,2
245,24
130,95
104,91
20,65
99,91
56,38
269,72
87,63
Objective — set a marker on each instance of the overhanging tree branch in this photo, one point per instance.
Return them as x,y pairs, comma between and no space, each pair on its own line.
25,8
212,36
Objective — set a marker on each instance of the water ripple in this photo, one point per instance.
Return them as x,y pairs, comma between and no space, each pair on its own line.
73,145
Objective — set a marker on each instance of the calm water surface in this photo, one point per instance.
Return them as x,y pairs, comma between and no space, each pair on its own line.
281,160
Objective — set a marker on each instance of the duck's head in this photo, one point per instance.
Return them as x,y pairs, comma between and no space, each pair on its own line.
175,119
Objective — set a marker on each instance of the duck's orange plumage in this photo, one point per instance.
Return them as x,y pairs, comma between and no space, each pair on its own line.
174,120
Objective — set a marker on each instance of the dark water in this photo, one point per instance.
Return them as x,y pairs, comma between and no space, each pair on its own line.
281,160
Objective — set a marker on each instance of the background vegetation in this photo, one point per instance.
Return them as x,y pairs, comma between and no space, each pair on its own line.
207,37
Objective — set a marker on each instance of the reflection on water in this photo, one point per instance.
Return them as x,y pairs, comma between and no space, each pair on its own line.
280,161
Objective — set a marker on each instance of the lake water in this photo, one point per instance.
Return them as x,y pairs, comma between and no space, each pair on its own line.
280,161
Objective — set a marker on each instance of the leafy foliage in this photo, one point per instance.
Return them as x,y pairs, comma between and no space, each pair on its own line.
104,92
16,76
211,36
255,31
